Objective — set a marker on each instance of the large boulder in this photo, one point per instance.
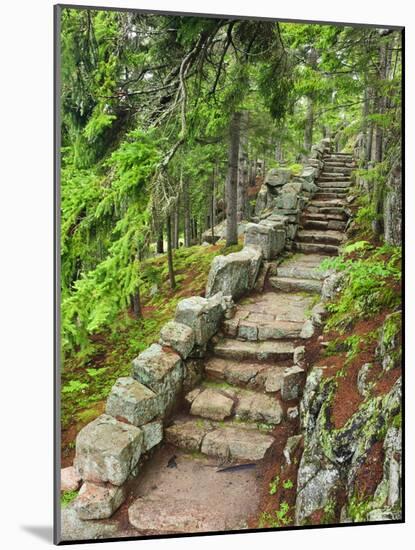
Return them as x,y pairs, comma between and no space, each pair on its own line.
203,315
134,402
309,174
159,370
234,274
277,177
178,336
70,479
268,235
107,450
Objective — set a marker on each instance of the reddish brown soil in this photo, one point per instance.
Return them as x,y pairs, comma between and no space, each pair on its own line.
370,472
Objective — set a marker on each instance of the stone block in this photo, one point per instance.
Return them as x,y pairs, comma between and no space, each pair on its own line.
98,501
133,402
178,336
203,315
152,434
292,383
107,450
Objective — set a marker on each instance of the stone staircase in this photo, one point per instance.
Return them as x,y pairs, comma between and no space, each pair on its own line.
324,220
249,376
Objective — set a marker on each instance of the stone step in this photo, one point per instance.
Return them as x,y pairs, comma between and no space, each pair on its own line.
268,350
301,272
327,176
244,374
327,170
272,329
312,248
339,190
324,204
345,184
322,216
328,196
329,210
338,156
345,162
323,224
168,516
294,284
223,403
326,237
228,441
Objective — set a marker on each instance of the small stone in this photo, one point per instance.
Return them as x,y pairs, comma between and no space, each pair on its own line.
363,383
107,450
212,404
298,355
292,413
191,396
70,479
98,501
291,446
308,329
178,336
152,434
292,383
274,379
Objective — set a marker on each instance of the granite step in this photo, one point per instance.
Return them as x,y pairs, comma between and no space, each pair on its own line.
329,169
313,248
328,210
245,374
268,350
329,176
229,441
323,224
288,284
224,403
329,196
301,272
313,216
318,236
343,184
259,330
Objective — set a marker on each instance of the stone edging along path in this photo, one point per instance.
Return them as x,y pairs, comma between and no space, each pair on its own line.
222,373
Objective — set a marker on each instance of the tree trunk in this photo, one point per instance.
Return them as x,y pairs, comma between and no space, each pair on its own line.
160,241
170,253
213,205
186,213
309,123
136,304
232,181
242,191
176,220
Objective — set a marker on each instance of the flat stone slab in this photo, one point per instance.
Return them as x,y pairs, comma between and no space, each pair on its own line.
194,494
236,443
280,305
258,407
97,501
187,435
269,350
212,404
173,516
243,374
107,450
288,284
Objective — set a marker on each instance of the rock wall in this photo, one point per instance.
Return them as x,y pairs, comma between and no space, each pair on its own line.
328,475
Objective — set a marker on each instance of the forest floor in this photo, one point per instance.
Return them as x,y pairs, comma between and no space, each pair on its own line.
87,378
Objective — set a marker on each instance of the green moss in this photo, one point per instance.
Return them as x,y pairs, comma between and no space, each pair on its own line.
67,497
329,511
